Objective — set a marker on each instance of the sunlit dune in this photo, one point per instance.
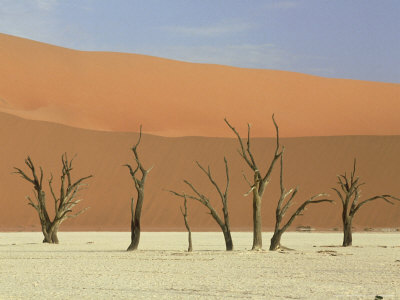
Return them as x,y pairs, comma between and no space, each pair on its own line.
117,92
112,93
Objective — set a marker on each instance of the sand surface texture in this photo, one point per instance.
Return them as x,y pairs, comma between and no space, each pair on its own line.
95,266
51,87
311,163
117,92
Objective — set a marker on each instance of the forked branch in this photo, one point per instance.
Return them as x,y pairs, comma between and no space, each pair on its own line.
260,181
283,206
63,204
349,193
139,180
203,199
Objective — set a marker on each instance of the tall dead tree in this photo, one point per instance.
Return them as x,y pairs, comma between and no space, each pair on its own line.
185,214
223,223
349,195
282,207
139,182
63,203
260,182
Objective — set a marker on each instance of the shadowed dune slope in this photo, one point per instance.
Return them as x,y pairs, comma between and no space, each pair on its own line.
311,163
117,92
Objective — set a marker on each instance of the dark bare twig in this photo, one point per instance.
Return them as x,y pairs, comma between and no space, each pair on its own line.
185,215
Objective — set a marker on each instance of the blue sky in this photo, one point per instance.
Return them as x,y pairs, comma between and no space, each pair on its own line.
357,39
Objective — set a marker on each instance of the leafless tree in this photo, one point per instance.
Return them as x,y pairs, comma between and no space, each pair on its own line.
63,203
223,223
260,182
349,195
139,181
282,207
185,214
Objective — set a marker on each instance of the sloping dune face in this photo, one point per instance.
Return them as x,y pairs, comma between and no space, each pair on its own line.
113,93
311,163
117,92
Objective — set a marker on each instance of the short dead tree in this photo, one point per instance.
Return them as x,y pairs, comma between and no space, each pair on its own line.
139,182
260,182
349,194
63,203
282,207
223,223
185,214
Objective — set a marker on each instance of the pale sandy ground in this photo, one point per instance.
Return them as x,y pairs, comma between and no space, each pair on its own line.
94,265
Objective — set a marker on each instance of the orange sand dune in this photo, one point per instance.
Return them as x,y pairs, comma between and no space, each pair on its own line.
311,162
117,92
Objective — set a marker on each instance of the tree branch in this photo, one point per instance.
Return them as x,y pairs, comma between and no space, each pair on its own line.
302,207
242,150
386,198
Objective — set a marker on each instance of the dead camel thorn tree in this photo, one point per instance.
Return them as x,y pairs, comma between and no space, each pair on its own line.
282,207
139,182
63,203
259,182
223,223
349,195
185,214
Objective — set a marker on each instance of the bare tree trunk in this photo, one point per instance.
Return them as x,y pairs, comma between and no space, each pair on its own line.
185,214
228,240
347,237
139,182
257,228
47,237
46,230
54,234
190,247
276,240
54,237
135,222
50,233
135,235
260,182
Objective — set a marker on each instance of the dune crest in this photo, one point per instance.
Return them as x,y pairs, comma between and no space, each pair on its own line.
118,91
45,87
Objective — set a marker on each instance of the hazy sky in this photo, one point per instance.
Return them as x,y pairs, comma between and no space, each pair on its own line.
357,39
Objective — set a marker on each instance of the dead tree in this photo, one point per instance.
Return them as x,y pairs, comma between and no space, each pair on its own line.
349,195
185,214
223,223
282,207
139,182
63,203
259,182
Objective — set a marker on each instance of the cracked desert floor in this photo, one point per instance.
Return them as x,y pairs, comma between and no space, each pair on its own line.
95,265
